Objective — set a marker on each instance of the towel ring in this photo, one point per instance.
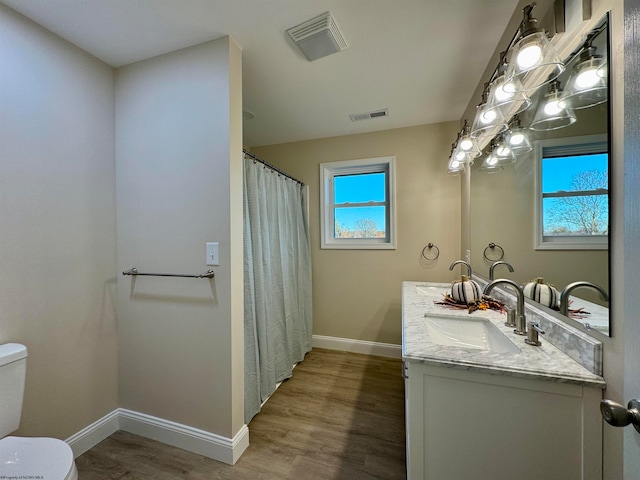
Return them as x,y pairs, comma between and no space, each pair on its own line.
431,246
492,246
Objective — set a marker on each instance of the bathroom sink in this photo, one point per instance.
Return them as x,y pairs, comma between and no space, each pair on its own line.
468,332
429,290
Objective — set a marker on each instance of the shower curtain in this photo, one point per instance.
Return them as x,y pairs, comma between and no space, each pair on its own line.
277,281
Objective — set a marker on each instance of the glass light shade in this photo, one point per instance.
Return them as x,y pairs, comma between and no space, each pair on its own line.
533,62
587,86
518,140
455,167
487,122
467,149
491,164
553,112
501,153
508,96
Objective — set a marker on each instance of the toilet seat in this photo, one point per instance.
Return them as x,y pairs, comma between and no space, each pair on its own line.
29,457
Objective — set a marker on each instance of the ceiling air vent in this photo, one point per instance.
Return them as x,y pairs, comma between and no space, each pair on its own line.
318,37
356,117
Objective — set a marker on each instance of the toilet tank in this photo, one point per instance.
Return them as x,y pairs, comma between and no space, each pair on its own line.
13,370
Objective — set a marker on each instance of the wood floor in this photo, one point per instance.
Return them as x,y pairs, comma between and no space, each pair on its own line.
340,417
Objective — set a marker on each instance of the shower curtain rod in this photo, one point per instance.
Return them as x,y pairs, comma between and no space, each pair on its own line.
275,169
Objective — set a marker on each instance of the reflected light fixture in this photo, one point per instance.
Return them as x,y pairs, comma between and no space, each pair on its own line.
508,96
491,164
532,60
502,152
466,149
587,85
487,122
553,112
455,166
517,137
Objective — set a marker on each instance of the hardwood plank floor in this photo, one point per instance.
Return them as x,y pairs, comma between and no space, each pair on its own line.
340,417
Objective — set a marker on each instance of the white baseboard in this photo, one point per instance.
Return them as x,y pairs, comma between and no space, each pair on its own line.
223,449
90,436
358,346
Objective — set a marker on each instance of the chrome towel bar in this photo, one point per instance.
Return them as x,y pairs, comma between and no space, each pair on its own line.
134,271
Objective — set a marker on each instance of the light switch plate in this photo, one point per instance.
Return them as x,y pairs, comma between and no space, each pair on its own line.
213,257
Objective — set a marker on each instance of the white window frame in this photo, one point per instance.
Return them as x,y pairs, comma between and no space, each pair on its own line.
572,146
327,208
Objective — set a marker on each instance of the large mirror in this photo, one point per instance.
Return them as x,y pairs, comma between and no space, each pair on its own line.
547,213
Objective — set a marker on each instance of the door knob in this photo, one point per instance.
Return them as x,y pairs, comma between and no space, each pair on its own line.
618,416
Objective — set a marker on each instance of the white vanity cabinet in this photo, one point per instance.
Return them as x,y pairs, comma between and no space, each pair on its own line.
470,425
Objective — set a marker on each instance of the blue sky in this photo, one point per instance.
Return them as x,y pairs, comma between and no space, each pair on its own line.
360,189
557,173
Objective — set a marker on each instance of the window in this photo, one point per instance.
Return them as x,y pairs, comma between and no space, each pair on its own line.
357,204
572,193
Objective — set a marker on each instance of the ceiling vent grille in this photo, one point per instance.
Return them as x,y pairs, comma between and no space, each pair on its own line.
318,37
357,117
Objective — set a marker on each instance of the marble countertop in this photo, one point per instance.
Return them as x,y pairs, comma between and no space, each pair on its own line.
545,362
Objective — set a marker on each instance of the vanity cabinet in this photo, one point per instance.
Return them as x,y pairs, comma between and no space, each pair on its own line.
466,424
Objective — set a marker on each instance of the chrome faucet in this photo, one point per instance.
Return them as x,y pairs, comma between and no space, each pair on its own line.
463,263
495,264
564,295
521,321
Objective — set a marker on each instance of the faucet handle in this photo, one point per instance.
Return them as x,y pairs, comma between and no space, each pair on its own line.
532,334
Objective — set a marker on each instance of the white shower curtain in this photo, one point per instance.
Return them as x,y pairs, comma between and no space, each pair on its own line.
277,281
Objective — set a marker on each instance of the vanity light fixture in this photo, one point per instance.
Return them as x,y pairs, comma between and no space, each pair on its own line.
466,149
517,137
532,59
455,166
502,152
553,112
508,96
491,164
587,85
488,122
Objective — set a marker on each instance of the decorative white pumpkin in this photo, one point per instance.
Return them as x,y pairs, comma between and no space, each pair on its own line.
542,293
466,291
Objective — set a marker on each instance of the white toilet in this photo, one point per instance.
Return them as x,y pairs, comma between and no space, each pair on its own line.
25,457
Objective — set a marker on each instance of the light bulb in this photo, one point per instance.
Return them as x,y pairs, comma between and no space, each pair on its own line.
459,155
488,116
587,79
553,107
503,150
504,92
529,56
454,164
466,144
516,138
492,160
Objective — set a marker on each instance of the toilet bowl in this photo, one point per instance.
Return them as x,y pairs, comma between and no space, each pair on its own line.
26,457
46,458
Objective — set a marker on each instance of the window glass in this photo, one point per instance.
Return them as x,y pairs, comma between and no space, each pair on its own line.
575,195
360,188
360,222
572,193
356,205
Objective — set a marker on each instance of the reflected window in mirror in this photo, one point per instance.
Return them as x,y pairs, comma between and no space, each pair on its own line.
572,206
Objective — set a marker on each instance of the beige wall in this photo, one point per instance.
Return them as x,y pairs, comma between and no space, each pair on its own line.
357,293
179,185
57,226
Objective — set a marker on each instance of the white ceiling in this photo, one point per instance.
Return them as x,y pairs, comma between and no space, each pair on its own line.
421,59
